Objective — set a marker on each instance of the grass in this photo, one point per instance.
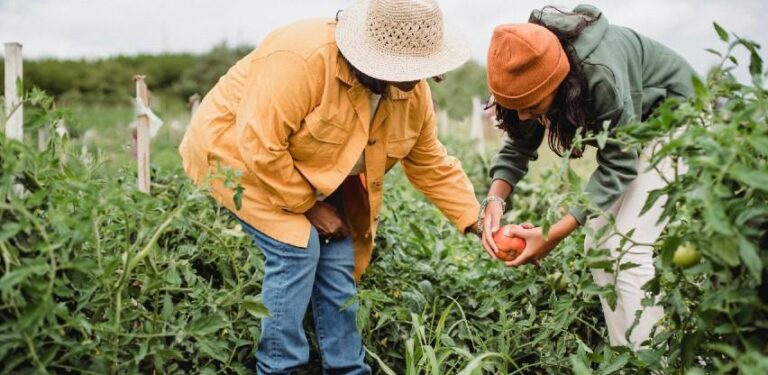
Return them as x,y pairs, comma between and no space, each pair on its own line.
108,129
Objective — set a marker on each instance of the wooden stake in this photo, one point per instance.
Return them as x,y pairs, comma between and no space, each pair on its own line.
14,109
142,136
477,134
442,123
194,103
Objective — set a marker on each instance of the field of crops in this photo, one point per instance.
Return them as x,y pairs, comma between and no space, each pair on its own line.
98,278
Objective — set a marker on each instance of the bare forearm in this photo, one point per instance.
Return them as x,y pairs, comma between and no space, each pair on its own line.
563,228
500,188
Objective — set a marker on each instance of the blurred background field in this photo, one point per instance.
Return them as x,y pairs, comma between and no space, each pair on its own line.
98,98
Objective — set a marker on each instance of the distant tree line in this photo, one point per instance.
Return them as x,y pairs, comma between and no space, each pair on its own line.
177,76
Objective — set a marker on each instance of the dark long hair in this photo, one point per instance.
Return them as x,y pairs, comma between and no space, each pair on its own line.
571,110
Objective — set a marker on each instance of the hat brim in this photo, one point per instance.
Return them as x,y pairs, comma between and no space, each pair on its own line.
351,38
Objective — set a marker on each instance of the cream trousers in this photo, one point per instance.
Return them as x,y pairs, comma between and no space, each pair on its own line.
629,283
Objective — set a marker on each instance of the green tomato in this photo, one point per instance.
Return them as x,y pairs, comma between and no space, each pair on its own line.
686,256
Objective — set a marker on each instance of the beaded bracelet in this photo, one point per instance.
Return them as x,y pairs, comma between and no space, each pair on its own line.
484,204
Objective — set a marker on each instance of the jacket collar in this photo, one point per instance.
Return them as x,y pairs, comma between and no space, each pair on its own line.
344,75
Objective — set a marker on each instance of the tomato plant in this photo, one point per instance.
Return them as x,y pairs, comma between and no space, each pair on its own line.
98,278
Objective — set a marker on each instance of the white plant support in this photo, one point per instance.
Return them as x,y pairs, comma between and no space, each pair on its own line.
194,104
142,135
476,132
442,123
14,109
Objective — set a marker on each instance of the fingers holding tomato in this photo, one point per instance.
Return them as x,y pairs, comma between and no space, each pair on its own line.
509,246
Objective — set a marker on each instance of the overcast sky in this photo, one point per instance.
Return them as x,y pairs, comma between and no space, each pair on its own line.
95,28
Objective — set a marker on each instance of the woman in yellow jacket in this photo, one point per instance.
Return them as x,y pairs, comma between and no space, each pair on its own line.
313,119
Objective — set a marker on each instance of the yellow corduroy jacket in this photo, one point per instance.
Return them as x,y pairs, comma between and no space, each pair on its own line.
294,120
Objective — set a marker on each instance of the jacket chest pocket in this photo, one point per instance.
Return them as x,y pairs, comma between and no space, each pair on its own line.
318,138
398,149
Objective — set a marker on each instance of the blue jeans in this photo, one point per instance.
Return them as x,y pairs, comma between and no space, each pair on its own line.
294,277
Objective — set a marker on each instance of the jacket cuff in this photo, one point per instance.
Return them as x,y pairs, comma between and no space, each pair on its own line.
467,219
580,214
511,178
301,207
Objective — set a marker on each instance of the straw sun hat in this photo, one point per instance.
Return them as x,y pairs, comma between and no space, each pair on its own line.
399,40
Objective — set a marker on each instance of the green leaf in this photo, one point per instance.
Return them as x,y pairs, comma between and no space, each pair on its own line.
611,298
167,310
628,266
616,364
716,218
714,52
476,363
382,366
19,87
255,307
721,32
755,178
417,231
32,316
205,325
215,349
725,249
238,197
751,213
760,143
579,367
167,354
602,139
748,253
35,267
653,196
574,180
700,89
755,61
9,230
143,348
725,349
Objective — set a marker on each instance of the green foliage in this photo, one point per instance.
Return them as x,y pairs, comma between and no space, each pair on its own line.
455,93
108,80
717,311
178,76
433,302
98,278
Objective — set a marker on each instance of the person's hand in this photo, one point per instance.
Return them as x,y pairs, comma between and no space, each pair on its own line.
536,247
491,220
474,228
326,219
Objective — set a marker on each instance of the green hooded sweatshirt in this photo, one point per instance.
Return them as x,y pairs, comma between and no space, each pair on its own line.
628,74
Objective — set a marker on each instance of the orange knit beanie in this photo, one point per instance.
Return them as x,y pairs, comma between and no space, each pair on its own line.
525,64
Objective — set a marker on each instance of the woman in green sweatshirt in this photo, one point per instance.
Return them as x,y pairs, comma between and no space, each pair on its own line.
564,74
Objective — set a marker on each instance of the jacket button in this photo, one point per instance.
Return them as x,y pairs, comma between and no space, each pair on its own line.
371,142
